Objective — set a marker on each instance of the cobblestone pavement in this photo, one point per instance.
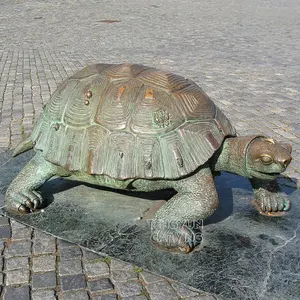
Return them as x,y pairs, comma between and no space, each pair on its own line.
245,55
38,266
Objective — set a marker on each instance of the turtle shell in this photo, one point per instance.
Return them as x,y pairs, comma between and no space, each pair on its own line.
130,121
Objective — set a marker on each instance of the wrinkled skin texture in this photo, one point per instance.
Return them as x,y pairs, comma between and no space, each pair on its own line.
257,158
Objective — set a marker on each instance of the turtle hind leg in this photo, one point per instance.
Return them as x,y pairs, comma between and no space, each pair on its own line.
175,226
21,195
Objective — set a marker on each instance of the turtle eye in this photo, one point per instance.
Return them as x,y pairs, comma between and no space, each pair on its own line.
266,159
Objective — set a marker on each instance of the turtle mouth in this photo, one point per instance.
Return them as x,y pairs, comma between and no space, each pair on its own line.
270,175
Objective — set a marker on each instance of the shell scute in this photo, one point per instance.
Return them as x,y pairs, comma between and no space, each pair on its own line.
119,72
194,103
90,70
70,148
149,160
154,113
200,140
176,158
164,80
59,99
116,104
95,154
77,113
83,101
120,162
63,146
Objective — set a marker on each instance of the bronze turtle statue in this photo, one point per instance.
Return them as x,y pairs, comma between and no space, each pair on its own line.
133,127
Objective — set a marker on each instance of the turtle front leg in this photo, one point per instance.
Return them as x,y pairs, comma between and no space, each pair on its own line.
269,199
21,195
196,200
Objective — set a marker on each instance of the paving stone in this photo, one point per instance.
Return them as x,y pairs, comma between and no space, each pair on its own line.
44,295
17,263
96,269
21,234
44,246
18,248
17,276
100,285
70,267
40,235
129,289
1,278
73,282
161,290
5,232
3,221
123,275
17,293
141,297
76,295
43,263
43,280
150,277
2,244
70,252
107,297
15,225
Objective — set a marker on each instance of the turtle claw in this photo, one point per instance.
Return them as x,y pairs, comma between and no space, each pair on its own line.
23,202
274,205
36,203
29,204
182,239
21,208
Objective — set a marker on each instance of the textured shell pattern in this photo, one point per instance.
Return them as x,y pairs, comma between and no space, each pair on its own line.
130,121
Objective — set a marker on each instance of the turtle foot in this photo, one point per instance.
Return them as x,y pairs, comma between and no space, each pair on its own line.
182,239
269,200
272,205
23,202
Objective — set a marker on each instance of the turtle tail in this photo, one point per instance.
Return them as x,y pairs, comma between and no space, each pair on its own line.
23,146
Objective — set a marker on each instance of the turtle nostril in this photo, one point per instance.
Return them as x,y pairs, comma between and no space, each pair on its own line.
286,162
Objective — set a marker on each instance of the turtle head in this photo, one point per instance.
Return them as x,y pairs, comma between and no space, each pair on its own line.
266,158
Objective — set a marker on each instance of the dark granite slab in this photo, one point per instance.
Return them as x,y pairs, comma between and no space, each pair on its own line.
245,255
